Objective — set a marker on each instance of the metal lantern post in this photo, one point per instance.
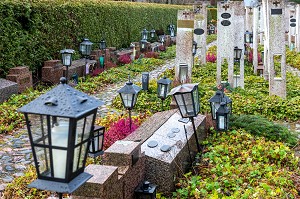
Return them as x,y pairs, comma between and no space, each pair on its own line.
85,49
102,46
171,29
237,54
215,102
96,146
145,191
187,100
163,87
128,94
162,39
66,58
59,131
145,81
222,117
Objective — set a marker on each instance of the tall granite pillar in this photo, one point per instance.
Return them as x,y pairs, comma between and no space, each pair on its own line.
239,24
255,38
225,39
276,40
297,36
265,13
184,44
201,23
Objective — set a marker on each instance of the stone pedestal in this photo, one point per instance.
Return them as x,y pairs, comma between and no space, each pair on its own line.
52,71
7,88
22,76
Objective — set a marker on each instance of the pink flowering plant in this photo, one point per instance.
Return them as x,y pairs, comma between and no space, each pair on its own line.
210,57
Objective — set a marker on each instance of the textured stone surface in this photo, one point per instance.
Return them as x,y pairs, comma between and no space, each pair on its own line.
184,42
22,76
7,88
225,40
162,167
201,22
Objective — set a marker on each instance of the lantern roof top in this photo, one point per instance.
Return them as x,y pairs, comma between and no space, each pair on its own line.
183,88
164,80
68,51
223,108
62,101
129,88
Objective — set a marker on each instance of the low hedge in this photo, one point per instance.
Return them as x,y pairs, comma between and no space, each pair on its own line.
32,32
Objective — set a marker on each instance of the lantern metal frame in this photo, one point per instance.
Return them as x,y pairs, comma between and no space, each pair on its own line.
64,119
248,37
152,33
143,45
85,47
102,44
163,88
222,117
66,58
187,99
215,102
183,72
144,34
237,54
97,142
129,92
171,29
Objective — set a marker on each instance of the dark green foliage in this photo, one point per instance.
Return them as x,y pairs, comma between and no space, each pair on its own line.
32,32
212,15
260,126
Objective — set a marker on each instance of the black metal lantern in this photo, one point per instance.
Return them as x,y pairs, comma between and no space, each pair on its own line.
66,58
211,29
85,47
60,123
163,87
194,50
143,44
145,191
248,37
96,146
145,34
237,54
187,100
222,117
162,39
102,44
183,72
215,102
145,81
171,29
152,33
129,94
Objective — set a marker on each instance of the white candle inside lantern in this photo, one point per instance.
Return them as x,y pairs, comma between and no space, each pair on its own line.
67,60
59,137
221,122
162,91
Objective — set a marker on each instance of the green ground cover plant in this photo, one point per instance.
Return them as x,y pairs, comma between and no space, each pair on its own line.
237,164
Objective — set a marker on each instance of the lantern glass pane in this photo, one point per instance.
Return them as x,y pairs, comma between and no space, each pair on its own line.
185,104
38,128
215,106
42,156
127,100
83,49
82,155
196,101
183,72
66,59
88,127
88,49
76,158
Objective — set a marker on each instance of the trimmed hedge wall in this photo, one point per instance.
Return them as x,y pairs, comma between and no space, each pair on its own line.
33,31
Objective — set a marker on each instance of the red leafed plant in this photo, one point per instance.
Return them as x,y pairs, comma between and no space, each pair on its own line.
211,57
151,55
124,59
110,64
119,130
250,57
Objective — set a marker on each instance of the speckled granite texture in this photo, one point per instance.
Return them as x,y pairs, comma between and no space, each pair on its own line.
7,88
